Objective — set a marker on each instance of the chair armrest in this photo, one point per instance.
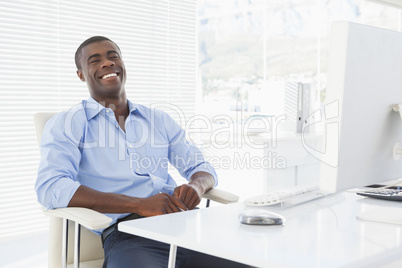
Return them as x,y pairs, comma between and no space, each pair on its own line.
221,196
94,220
86,217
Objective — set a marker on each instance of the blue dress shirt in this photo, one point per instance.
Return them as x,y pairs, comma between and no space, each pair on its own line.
86,146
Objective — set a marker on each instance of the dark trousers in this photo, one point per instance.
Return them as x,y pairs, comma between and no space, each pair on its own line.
129,251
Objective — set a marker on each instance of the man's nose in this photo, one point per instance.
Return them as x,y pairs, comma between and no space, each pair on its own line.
107,63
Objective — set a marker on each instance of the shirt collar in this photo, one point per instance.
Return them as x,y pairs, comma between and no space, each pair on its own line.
93,108
132,107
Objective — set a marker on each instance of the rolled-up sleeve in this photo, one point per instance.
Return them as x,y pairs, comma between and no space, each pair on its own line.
57,173
185,156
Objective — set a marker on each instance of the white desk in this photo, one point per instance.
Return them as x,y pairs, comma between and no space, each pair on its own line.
320,233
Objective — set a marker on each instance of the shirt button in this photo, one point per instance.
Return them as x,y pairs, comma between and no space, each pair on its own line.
117,125
138,170
131,146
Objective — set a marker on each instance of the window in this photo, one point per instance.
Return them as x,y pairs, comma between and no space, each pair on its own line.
251,51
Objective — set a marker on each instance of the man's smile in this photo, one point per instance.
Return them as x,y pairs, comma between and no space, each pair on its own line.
106,76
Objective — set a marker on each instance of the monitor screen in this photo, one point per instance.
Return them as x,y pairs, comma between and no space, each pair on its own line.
361,129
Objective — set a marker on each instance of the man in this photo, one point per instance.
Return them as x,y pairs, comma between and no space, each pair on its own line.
93,156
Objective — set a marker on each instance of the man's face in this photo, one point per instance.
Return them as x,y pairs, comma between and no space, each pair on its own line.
103,70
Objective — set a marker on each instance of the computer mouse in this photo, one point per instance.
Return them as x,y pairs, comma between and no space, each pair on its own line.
261,217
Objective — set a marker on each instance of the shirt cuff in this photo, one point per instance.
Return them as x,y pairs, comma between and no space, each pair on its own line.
62,191
205,167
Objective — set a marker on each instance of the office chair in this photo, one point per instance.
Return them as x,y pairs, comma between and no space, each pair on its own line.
66,235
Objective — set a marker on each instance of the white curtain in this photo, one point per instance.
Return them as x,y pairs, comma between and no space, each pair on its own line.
38,40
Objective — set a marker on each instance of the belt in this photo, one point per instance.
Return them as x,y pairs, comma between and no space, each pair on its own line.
109,230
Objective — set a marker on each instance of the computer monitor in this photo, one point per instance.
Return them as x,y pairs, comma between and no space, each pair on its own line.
364,81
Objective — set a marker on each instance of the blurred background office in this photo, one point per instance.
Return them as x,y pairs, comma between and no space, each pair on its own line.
205,62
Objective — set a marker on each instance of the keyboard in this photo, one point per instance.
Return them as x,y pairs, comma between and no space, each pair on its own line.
302,194
392,193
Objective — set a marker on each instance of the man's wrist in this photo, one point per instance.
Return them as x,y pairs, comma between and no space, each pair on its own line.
199,189
203,181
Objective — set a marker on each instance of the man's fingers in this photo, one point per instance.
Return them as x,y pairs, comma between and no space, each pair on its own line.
176,193
184,193
170,205
194,201
191,199
179,204
187,195
171,209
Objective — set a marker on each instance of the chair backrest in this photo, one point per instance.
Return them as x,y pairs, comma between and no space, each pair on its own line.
40,120
91,244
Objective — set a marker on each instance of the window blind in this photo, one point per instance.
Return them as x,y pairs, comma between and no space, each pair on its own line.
38,41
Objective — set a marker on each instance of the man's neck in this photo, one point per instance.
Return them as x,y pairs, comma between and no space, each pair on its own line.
119,106
121,111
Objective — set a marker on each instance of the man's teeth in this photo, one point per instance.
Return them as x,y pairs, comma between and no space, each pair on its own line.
109,75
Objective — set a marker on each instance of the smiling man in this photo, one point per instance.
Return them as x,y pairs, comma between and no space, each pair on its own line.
87,162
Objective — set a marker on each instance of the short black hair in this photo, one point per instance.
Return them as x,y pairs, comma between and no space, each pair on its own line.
90,40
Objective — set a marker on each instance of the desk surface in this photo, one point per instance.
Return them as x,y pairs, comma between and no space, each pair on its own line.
320,233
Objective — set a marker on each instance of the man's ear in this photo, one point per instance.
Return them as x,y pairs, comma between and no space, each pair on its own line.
80,75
